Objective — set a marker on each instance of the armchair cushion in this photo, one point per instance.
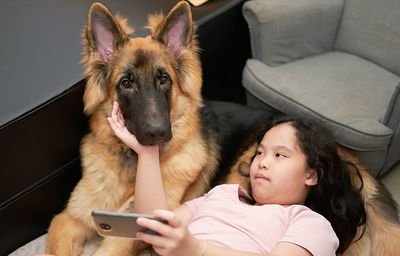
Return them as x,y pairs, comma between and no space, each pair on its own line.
369,29
286,30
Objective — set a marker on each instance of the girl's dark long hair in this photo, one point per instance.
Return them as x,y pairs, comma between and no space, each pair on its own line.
334,196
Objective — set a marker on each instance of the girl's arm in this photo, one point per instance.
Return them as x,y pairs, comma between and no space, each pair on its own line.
149,190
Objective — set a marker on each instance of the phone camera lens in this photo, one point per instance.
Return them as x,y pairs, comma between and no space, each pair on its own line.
105,226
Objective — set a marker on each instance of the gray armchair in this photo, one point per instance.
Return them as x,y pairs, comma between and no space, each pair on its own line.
335,61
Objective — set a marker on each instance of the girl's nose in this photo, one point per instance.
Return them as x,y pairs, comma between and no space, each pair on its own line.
265,163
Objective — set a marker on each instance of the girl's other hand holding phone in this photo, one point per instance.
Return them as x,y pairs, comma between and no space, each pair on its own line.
174,238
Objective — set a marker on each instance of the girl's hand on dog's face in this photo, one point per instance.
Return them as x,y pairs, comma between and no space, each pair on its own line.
117,123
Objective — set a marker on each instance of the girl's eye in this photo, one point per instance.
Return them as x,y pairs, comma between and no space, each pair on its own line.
259,153
164,79
279,155
126,84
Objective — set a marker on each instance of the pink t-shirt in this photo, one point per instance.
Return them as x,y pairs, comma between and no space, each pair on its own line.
222,219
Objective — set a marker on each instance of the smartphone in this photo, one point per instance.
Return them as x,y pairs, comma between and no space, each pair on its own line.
120,224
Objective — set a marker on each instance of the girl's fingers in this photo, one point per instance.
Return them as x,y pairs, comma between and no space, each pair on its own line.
111,122
169,216
154,240
119,130
118,113
169,238
160,244
117,117
117,110
114,112
121,119
155,225
114,115
109,119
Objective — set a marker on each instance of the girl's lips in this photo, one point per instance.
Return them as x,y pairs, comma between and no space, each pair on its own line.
260,176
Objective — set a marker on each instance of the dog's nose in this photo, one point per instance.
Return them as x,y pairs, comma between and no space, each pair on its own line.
158,133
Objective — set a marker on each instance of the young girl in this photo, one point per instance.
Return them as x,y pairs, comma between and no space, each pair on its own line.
300,195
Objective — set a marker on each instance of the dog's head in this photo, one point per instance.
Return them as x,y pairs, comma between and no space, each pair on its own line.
152,78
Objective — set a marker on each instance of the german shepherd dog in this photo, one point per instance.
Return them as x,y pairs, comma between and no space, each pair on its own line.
157,82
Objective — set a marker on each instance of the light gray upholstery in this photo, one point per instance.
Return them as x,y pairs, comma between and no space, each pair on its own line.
370,29
335,61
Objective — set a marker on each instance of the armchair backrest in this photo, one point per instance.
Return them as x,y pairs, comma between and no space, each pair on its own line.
371,30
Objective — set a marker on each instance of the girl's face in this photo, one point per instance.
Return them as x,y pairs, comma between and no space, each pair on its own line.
279,173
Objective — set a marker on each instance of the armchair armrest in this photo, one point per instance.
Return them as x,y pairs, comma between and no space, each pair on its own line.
392,120
286,30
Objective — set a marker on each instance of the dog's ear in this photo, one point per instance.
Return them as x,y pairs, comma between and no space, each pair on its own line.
176,30
104,33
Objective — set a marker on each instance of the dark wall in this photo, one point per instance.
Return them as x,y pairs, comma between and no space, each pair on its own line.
40,166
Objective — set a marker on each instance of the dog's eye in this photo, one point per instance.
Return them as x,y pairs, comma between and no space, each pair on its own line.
164,79
125,84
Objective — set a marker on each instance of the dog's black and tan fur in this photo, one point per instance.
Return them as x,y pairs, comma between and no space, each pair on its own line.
157,81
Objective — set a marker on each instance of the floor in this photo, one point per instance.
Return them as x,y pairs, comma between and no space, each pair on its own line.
392,182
